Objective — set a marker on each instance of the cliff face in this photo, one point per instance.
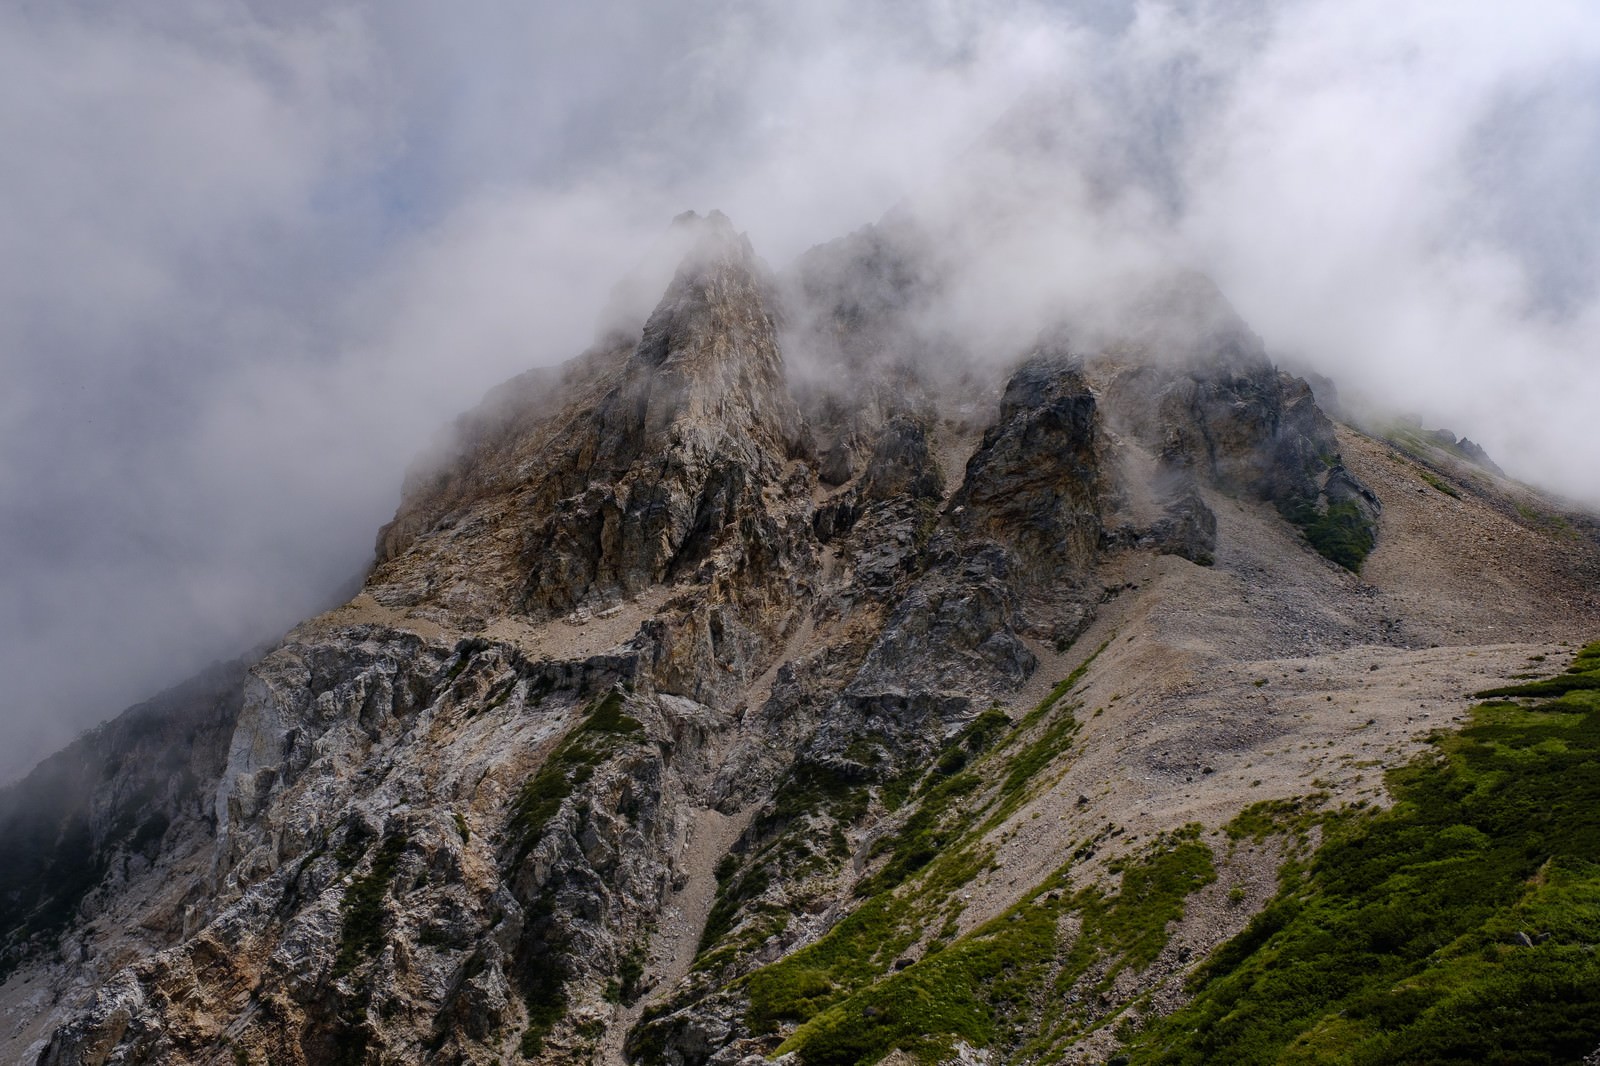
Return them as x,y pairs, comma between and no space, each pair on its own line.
696,693
80,836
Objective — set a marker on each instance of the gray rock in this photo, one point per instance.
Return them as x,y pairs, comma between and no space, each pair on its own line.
1187,529
1036,483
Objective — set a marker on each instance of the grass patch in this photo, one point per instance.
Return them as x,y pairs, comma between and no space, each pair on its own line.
567,768
1560,685
1440,484
1034,757
1342,534
361,910
987,988
1274,817
1057,694
1458,926
933,827
978,779
1554,524
860,948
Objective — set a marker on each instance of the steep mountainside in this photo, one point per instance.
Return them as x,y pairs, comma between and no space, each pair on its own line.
780,678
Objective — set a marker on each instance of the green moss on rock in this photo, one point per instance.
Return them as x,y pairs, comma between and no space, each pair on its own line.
1340,533
568,767
361,911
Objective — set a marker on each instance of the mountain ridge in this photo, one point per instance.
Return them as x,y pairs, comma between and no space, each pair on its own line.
678,592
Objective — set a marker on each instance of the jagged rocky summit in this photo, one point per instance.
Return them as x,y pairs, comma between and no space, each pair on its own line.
656,731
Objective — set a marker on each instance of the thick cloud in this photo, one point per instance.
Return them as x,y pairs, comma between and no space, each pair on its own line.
258,253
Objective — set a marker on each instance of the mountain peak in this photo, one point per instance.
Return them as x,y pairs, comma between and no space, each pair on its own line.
660,734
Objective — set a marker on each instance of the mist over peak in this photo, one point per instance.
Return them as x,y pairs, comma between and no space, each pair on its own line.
259,255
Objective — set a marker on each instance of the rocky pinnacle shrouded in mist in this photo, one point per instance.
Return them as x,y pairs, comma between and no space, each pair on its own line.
733,638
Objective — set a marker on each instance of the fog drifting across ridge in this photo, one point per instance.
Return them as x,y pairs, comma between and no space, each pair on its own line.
259,253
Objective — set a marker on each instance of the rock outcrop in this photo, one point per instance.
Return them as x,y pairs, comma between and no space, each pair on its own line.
1036,482
1196,388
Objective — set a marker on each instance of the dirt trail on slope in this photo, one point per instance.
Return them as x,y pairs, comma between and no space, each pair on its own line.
677,937
577,636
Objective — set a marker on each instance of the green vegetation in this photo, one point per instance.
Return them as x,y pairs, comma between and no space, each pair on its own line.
361,911
1459,926
978,737
804,827
1414,442
1582,676
625,988
546,1001
861,947
860,991
731,896
811,788
1133,924
1063,687
938,845
1554,524
542,972
936,825
1026,764
1439,483
908,905
1276,817
988,987
357,838
1341,533
933,827
569,766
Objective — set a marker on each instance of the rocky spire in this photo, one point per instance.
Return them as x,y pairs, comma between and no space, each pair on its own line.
699,420
707,375
625,468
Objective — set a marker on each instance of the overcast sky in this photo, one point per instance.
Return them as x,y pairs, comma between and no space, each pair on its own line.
257,253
